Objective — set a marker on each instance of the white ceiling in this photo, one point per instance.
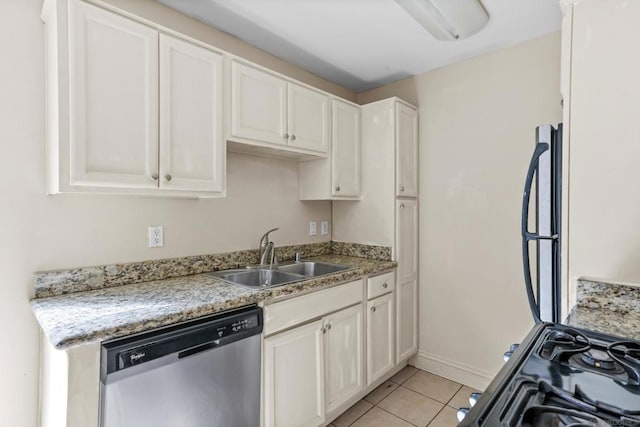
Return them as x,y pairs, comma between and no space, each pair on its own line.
363,44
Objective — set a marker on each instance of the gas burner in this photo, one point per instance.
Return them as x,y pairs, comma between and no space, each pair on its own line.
544,416
598,359
559,346
627,354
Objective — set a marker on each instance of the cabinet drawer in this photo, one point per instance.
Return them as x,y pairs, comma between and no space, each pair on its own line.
286,314
380,285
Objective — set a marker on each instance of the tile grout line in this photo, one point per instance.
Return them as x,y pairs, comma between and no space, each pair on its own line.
394,415
363,414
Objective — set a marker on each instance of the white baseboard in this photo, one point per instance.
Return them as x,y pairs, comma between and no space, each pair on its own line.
454,371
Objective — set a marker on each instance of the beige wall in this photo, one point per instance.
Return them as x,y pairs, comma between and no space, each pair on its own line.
47,232
604,202
477,133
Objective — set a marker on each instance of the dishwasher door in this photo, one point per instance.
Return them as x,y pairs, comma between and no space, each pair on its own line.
197,375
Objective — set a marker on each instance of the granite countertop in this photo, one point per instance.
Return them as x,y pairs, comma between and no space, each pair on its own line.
608,308
77,318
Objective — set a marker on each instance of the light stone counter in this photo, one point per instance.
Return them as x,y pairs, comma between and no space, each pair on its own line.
77,318
609,308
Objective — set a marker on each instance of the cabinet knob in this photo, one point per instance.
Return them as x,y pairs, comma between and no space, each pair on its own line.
167,177
286,136
402,188
155,176
373,309
338,188
384,285
293,137
328,326
324,330
402,205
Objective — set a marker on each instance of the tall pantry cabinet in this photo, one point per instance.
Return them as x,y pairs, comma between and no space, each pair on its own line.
387,213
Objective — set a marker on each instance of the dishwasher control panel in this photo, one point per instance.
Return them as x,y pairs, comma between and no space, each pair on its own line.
181,340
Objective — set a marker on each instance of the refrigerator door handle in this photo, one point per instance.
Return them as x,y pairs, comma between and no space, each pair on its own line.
526,234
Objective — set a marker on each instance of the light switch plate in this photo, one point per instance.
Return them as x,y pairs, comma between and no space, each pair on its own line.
324,228
156,236
313,228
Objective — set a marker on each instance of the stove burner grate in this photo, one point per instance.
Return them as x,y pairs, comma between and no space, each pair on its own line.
559,346
598,359
627,354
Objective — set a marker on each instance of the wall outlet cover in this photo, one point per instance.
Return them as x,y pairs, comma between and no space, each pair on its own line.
313,228
324,228
156,236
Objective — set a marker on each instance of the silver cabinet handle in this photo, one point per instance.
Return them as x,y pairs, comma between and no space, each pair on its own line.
338,188
155,176
324,330
328,326
167,177
293,137
402,188
286,136
373,309
402,205
384,285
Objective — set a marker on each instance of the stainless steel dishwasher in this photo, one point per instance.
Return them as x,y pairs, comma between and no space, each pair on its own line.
202,373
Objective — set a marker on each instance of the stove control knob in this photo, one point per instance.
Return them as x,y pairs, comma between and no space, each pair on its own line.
514,347
473,398
462,412
507,356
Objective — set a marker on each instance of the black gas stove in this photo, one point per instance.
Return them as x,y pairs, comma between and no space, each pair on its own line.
563,376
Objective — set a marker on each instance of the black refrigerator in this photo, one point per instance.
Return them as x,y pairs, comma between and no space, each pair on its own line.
543,189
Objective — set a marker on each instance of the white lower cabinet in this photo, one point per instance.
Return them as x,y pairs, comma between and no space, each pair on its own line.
294,377
344,356
380,337
407,320
312,369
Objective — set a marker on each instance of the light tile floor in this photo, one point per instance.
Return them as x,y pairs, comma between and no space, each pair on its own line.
412,397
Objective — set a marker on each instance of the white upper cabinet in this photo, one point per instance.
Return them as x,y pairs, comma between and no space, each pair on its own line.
345,154
113,102
144,111
406,151
267,110
258,105
308,125
337,177
191,140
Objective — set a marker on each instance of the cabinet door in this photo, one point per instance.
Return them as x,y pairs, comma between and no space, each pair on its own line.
113,100
406,320
406,151
294,377
308,125
258,105
407,239
380,337
192,150
345,147
344,356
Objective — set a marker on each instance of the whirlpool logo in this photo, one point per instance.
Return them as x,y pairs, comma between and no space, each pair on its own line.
136,356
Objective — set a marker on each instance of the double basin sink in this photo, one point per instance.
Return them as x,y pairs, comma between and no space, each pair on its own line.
265,277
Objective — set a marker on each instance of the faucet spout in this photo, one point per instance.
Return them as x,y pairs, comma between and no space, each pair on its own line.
266,247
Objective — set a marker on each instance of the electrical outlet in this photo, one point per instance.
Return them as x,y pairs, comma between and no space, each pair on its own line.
313,228
156,236
324,228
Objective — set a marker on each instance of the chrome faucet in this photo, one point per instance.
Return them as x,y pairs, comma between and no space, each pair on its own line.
267,249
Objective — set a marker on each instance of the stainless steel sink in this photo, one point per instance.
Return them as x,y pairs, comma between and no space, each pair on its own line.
260,277
312,268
